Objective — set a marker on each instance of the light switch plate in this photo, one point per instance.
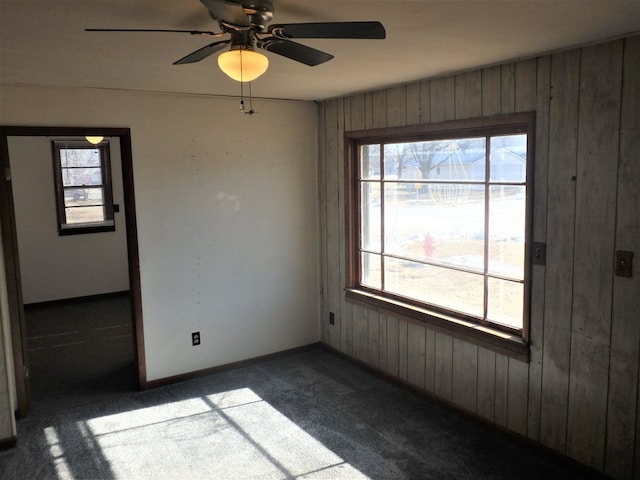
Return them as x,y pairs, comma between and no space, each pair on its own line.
624,263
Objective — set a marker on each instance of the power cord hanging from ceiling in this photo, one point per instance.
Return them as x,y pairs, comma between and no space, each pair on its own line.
251,111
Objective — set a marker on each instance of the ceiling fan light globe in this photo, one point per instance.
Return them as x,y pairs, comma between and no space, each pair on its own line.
243,65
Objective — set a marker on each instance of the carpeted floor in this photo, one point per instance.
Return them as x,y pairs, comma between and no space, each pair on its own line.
80,351
309,415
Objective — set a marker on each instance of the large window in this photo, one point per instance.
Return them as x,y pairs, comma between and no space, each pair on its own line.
439,219
83,187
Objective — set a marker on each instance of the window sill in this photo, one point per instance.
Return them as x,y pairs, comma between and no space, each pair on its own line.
498,341
87,228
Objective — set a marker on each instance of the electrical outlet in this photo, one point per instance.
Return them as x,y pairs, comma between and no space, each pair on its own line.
332,318
195,338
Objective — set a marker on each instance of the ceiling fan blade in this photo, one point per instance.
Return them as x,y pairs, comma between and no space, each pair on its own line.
202,53
227,12
364,30
296,51
192,32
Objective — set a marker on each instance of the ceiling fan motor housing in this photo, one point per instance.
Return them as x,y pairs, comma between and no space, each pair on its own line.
242,39
260,12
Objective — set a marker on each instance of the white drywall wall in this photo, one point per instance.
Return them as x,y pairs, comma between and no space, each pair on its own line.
227,217
55,267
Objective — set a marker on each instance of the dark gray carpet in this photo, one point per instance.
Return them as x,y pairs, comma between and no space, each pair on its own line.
309,415
80,351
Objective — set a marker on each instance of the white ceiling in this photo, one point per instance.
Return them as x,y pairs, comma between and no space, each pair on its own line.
43,42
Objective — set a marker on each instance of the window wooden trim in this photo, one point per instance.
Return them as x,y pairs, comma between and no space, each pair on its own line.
513,344
64,228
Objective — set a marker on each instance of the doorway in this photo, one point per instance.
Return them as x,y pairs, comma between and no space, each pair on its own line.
10,238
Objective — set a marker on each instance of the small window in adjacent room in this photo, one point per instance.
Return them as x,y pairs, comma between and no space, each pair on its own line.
439,222
84,195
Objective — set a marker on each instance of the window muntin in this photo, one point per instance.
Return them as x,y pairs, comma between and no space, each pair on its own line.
442,221
84,195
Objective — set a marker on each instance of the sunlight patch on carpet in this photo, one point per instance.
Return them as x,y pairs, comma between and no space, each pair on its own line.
231,434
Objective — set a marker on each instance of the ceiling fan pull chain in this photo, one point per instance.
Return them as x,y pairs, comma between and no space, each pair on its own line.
241,86
251,111
241,98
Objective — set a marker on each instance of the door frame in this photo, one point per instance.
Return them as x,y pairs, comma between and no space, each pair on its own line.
11,258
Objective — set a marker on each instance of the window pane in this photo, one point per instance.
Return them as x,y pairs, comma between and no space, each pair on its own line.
507,216
443,287
74,197
370,162
401,161
370,272
96,194
81,176
509,158
454,160
452,235
370,236
84,214
79,157
443,160
402,218
506,301
449,194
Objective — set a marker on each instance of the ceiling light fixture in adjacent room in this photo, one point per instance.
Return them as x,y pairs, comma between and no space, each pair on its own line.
94,140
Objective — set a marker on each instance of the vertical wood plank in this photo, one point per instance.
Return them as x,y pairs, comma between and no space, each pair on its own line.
491,86
589,364
517,396
598,134
322,199
368,110
464,385
486,383
425,102
348,320
413,104
625,329
379,105
396,101
373,330
357,120
392,345
442,97
430,361
507,89
382,342
500,413
443,365
333,288
536,318
563,138
525,85
360,333
416,347
344,111
402,349
468,94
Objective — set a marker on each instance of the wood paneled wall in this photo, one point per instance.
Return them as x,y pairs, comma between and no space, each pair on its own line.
579,392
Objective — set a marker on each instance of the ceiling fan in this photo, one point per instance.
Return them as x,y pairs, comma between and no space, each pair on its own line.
245,23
